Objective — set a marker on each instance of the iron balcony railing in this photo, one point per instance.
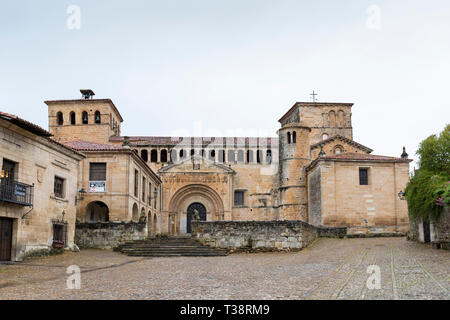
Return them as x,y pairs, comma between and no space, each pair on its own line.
16,192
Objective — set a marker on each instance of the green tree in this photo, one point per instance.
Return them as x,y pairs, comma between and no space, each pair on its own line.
429,189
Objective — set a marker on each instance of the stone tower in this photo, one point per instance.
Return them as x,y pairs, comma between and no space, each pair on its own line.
305,124
85,119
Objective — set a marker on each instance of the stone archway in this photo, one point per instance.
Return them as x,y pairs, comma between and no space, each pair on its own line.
194,209
97,211
184,197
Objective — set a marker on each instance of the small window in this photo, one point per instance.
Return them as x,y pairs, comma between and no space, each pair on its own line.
144,183
363,176
269,156
240,156
249,156
294,137
259,156
72,118
98,117
221,156
144,155
239,198
288,137
163,155
154,156
97,171
136,183
212,155
231,156
84,117
58,187
60,118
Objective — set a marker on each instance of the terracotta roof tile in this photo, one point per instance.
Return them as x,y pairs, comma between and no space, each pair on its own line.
91,146
31,127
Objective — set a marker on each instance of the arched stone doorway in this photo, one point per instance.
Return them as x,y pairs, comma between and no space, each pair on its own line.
192,210
188,195
97,211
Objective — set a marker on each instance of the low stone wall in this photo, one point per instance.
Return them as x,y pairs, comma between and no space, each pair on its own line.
107,235
439,230
255,236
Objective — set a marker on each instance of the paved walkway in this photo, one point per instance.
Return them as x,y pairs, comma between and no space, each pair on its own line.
329,269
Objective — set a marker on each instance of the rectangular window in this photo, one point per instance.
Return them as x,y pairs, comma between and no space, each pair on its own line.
60,233
239,198
97,171
59,187
144,182
136,183
363,176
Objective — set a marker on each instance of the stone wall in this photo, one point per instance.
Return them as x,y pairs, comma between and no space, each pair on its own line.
254,236
442,226
107,235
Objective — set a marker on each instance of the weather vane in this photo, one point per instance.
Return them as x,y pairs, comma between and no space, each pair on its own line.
313,96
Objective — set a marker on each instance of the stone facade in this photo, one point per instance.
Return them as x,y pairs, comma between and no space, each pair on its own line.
438,230
253,236
37,161
336,197
108,235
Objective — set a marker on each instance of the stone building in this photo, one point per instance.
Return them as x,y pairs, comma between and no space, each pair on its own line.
38,189
313,171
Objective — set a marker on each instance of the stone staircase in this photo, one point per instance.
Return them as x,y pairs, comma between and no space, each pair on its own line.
180,246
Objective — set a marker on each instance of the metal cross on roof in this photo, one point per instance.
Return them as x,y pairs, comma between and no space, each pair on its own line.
313,95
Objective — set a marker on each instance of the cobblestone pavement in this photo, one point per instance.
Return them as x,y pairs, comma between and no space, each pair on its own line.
328,269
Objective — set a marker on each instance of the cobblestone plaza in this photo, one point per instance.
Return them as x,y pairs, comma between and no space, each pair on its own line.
328,269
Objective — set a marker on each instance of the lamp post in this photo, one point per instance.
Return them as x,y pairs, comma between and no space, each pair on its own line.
401,195
80,195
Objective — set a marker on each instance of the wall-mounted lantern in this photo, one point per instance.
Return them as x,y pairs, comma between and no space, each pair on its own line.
401,195
80,195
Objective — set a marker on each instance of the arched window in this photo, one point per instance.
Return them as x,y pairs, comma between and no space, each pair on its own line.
338,150
259,156
212,155
332,116
60,118
294,137
97,117
182,154
202,153
341,118
324,136
240,156
269,156
173,155
154,156
231,156
84,117
72,118
164,155
144,155
221,156
192,152
249,156
288,137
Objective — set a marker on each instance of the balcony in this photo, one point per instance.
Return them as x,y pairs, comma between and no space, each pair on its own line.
16,192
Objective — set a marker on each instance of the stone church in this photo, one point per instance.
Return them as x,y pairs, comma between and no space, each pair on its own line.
312,171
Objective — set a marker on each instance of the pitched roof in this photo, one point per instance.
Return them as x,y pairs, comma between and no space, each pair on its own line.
344,139
91,146
195,141
358,157
24,124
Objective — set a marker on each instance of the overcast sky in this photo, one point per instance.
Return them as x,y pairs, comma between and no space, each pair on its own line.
213,67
